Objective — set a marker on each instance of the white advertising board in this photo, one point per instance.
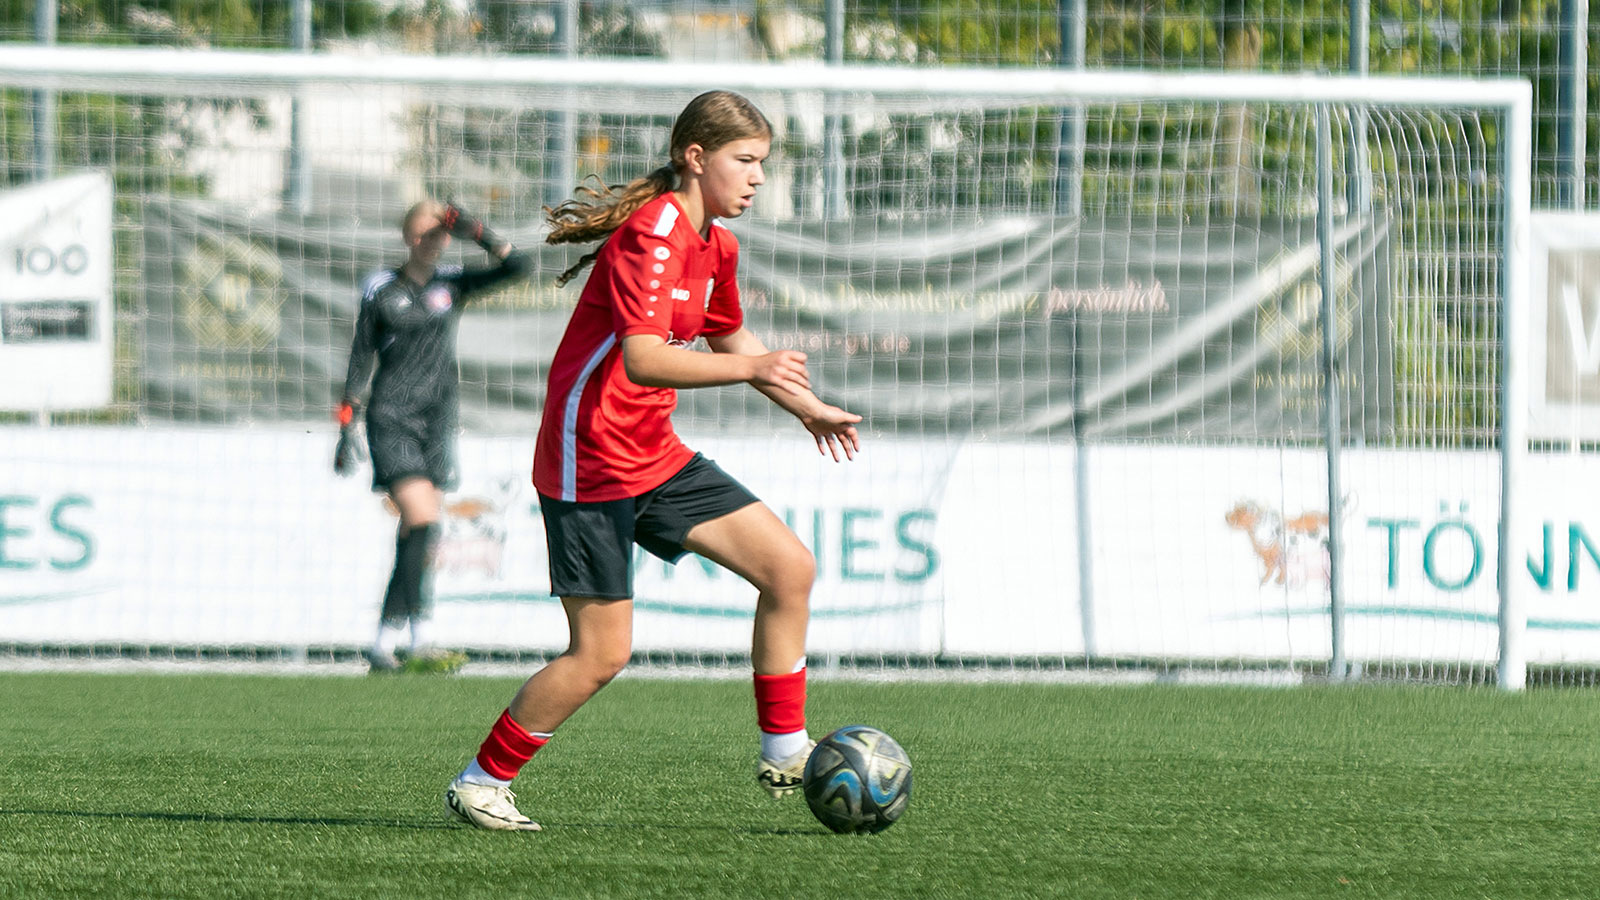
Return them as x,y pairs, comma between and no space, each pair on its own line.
1564,327
55,294
247,537
241,537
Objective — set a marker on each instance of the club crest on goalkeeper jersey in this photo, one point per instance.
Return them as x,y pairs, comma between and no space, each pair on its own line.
603,437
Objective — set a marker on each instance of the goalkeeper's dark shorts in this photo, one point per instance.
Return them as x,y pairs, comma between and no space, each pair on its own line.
411,446
591,544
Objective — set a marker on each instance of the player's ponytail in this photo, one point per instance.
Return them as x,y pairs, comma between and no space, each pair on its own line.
711,120
596,212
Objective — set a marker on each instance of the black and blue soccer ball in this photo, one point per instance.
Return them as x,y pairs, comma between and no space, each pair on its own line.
858,780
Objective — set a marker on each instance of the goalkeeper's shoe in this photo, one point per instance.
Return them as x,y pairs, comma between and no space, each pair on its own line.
486,806
779,778
434,661
380,661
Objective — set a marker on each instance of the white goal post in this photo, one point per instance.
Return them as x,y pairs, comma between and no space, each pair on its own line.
1252,400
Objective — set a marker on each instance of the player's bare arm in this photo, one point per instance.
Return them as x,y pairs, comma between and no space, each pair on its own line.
833,428
650,361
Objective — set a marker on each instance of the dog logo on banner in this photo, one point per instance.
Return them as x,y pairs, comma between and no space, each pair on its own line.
1293,552
473,541
473,530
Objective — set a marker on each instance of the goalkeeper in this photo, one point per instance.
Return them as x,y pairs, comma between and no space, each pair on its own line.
406,331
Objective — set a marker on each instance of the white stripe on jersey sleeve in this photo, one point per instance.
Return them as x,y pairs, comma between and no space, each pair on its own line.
373,282
569,421
669,217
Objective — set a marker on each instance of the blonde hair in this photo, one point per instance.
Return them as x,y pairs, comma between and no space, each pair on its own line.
712,120
422,208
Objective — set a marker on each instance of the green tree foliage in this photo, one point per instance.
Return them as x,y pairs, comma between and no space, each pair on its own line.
1022,32
604,29
129,131
210,23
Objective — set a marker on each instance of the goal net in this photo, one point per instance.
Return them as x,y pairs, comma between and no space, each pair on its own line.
1110,334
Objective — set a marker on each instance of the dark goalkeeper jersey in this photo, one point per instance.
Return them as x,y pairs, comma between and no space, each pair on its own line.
409,332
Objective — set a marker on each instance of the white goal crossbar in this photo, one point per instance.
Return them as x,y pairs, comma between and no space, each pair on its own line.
1513,95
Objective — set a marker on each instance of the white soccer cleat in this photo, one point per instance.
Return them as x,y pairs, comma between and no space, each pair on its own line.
782,778
486,806
380,661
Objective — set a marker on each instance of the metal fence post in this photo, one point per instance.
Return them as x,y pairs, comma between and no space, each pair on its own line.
1357,158
1571,100
1333,424
297,178
561,167
44,101
1072,18
835,202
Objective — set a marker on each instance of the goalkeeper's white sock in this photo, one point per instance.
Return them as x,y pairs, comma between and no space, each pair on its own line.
388,638
421,635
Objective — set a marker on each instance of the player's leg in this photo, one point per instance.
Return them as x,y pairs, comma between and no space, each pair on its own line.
590,547
400,468
410,587
599,644
438,451
755,544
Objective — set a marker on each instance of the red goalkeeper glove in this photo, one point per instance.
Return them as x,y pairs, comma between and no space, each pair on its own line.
464,226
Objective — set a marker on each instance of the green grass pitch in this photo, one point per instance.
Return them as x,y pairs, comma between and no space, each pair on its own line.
212,786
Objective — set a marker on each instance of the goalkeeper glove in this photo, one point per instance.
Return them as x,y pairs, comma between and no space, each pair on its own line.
462,225
350,451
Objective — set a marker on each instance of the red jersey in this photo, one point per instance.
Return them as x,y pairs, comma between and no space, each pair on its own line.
602,436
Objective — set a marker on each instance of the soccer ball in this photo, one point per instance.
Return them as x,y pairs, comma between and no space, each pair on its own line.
858,780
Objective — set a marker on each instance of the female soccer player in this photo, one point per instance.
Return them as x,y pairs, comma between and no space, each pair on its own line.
610,471
407,325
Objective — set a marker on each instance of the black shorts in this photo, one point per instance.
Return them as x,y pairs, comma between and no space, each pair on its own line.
591,544
412,446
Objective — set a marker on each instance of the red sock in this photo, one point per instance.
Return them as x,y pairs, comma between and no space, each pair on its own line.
507,748
781,702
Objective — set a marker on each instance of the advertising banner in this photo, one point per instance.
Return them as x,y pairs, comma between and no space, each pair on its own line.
1014,328
246,537
958,549
1564,337
56,326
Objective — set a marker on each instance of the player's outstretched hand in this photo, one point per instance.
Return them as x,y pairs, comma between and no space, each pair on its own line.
835,431
784,370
